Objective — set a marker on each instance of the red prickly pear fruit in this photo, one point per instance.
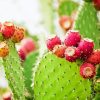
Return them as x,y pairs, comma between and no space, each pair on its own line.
73,38
66,22
21,54
59,50
51,43
94,58
87,70
72,53
86,47
28,45
96,4
7,96
18,34
8,29
4,49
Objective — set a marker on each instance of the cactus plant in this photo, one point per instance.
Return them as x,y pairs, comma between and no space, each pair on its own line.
14,72
58,79
11,61
28,65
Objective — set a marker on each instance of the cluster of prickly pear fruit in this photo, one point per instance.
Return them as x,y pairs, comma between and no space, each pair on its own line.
75,47
9,31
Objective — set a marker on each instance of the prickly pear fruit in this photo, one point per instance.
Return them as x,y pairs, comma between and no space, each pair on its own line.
72,53
87,70
8,29
4,49
53,42
18,34
73,38
59,50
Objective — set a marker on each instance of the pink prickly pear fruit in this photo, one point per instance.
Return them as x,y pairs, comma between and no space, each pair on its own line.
73,38
86,47
21,54
51,43
94,58
72,53
87,70
28,44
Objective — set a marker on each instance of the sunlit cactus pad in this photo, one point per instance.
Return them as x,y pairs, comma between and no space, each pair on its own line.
58,79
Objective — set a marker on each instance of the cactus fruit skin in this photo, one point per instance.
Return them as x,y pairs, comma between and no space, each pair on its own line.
53,42
4,49
7,29
21,54
73,38
86,47
28,45
59,50
94,58
87,70
72,53
57,79
18,34
14,72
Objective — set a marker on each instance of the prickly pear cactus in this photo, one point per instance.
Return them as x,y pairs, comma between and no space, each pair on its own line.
58,79
14,72
28,65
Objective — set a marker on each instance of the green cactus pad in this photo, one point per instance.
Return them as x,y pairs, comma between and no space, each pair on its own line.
67,7
58,79
28,66
14,72
86,23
